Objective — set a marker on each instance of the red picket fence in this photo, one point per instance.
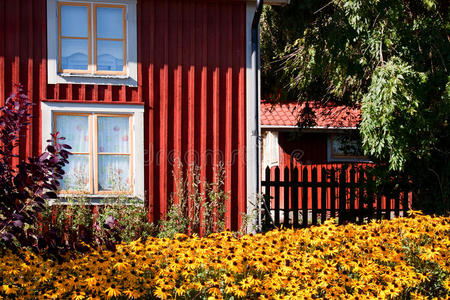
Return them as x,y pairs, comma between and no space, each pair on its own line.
305,195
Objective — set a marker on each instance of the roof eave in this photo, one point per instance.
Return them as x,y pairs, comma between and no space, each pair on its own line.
274,2
309,129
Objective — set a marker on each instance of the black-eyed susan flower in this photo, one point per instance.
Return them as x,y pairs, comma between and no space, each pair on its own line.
112,291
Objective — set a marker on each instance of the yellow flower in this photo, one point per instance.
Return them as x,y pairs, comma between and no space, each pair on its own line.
9,289
446,284
132,294
121,266
91,281
162,292
78,295
112,291
429,254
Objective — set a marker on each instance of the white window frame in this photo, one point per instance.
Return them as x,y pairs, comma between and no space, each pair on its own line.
136,111
129,79
341,158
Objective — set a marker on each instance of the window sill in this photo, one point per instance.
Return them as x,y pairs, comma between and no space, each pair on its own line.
343,159
64,199
94,76
96,79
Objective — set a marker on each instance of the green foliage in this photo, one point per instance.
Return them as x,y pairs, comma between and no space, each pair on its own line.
389,56
115,219
197,206
394,122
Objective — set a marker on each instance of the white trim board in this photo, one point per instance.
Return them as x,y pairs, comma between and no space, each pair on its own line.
48,108
252,130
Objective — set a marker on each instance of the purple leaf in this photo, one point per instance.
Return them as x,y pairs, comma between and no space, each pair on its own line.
110,222
44,156
17,223
7,237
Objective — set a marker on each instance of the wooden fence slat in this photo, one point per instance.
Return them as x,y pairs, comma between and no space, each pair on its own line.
362,209
356,200
397,204
305,198
294,195
388,200
267,199
333,193
352,212
405,203
286,197
323,190
342,198
277,197
379,208
371,200
314,198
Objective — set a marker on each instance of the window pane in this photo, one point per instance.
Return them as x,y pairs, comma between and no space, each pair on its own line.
346,146
76,131
113,134
109,55
109,22
74,21
76,177
114,173
74,54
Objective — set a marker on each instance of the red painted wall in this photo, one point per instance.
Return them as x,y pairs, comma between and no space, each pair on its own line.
191,81
303,148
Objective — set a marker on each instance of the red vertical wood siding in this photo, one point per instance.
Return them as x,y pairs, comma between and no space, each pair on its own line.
309,148
191,81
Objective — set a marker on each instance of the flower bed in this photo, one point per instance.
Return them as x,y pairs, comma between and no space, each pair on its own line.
405,256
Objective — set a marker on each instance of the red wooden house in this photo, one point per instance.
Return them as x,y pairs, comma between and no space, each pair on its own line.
136,85
316,165
309,133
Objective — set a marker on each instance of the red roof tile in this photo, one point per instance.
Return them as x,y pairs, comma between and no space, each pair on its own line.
310,115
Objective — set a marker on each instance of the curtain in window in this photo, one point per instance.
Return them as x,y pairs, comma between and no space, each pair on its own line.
76,131
76,176
113,170
113,134
114,173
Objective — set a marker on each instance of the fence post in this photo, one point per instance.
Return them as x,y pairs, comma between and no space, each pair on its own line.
333,193
352,212
286,197
406,203
388,206
361,209
314,195
294,195
342,198
397,204
267,199
323,190
305,198
277,197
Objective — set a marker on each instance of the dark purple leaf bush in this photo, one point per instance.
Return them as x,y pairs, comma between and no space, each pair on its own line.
25,187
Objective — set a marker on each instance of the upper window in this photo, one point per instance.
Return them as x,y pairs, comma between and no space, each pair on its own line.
104,51
92,42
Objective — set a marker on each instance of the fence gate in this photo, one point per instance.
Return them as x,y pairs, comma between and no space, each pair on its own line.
311,194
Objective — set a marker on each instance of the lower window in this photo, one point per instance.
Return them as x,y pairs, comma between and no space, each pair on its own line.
102,152
345,147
